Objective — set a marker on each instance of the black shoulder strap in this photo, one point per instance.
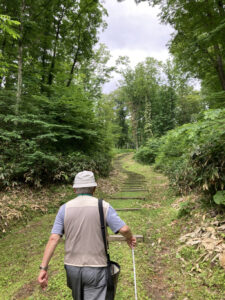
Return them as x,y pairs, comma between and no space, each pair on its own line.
101,214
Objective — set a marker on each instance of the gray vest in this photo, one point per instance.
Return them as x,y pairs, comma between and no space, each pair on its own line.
84,244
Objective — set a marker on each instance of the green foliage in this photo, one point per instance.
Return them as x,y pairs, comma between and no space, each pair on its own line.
198,41
7,28
193,155
147,154
189,253
50,87
6,25
219,198
107,117
39,168
185,209
119,119
139,88
144,155
156,97
52,139
116,151
56,41
188,106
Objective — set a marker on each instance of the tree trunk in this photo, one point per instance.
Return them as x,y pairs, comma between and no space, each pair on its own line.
20,61
218,55
221,72
134,125
74,63
51,71
73,68
19,77
219,67
3,48
43,59
148,118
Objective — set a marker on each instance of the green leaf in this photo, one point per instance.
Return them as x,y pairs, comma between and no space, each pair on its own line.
219,198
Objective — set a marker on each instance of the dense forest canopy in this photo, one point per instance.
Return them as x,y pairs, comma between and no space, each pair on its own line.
154,98
54,117
51,77
198,42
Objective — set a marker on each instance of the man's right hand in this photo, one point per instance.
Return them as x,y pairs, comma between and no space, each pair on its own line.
132,242
126,232
43,279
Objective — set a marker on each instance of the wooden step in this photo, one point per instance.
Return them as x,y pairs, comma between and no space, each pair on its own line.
135,179
128,209
134,185
134,190
120,238
126,198
134,182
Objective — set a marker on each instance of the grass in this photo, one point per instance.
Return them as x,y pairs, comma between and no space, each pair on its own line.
160,273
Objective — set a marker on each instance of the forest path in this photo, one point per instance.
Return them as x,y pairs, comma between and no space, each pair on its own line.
160,274
166,268
149,193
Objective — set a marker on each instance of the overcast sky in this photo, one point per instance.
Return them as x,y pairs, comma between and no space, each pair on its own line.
135,31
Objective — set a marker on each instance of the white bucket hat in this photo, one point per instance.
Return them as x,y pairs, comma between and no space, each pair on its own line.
84,179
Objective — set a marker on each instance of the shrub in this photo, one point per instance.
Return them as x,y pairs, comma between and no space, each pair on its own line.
51,138
185,209
219,198
38,169
193,155
147,154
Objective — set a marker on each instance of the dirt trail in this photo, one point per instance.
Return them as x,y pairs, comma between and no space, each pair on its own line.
177,271
156,285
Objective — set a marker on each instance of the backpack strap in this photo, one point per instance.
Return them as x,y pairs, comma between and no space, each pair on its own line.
101,214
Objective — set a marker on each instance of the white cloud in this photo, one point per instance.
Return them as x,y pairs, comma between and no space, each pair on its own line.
134,31
139,55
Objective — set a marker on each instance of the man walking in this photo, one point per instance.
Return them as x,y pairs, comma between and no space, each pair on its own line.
85,259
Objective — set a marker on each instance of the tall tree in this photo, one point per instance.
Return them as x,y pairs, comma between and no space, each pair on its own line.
118,98
198,41
7,29
51,90
151,99
20,57
57,36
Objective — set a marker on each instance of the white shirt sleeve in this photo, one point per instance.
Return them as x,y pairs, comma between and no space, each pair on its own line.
113,220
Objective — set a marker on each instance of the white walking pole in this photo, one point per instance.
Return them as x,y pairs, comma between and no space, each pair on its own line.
135,284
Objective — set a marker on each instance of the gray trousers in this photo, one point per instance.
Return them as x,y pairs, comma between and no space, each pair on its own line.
87,283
